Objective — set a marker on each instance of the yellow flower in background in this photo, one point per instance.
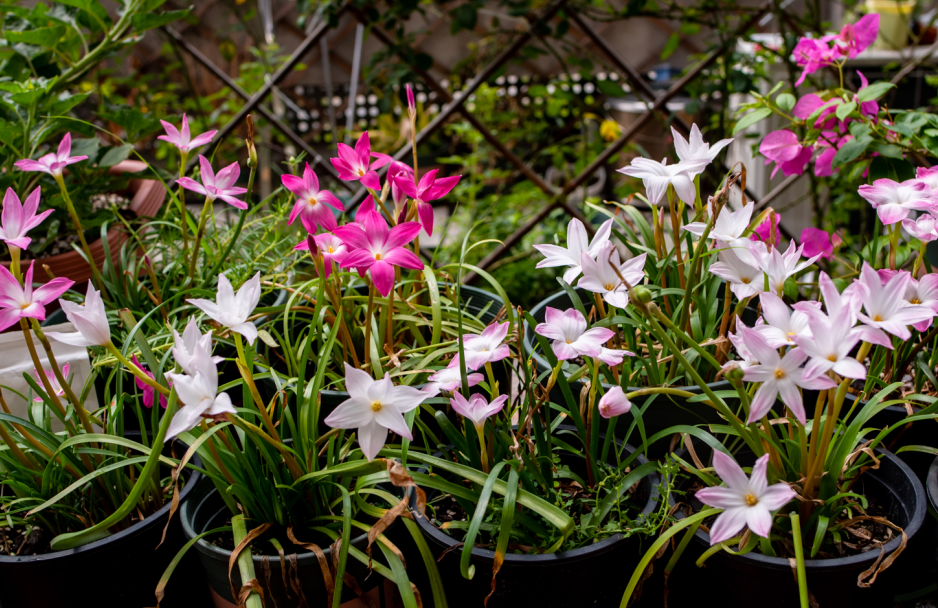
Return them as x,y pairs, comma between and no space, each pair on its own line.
610,130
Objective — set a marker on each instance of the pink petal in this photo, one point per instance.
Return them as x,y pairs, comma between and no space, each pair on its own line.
403,258
382,274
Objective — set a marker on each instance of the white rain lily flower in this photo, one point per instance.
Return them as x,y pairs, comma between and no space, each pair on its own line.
90,319
885,309
746,501
780,377
781,323
477,408
657,176
697,148
199,394
745,280
449,379
484,348
599,276
577,243
374,407
924,292
191,346
232,311
728,229
779,266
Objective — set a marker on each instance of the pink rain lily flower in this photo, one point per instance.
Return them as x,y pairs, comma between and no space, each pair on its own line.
148,391
599,277
782,324
221,186
18,219
747,358
22,301
923,292
330,247
929,175
90,319
191,347
571,339
53,380
311,201
746,501
614,403
729,228
829,346
894,201
484,348
230,310
922,228
780,377
577,244
374,407
449,379
53,164
476,408
356,165
182,139
697,148
199,394
884,310
429,189
657,176
399,171
373,247
745,280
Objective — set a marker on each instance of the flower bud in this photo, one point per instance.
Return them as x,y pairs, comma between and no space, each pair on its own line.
411,104
313,248
642,294
252,153
734,374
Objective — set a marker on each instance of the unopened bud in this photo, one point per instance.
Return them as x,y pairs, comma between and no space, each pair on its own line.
252,153
734,374
411,104
642,294
313,248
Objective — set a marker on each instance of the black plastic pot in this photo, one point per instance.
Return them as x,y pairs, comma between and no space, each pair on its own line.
758,581
931,488
119,571
206,511
594,575
662,412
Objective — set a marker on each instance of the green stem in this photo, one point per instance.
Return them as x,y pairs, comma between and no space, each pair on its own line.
15,262
184,156
95,273
493,385
239,530
237,230
799,558
203,217
483,452
136,371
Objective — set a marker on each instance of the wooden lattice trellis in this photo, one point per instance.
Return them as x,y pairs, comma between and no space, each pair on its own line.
656,103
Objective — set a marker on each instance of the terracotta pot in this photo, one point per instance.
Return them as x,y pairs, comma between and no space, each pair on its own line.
148,198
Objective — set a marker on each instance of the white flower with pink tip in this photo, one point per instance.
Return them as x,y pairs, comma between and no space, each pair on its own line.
484,348
571,339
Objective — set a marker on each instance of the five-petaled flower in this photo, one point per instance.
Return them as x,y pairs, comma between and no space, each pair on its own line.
356,164
90,319
53,163
428,189
577,244
600,275
232,311
375,248
182,139
311,202
220,186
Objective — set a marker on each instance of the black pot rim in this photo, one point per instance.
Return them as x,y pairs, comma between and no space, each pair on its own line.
931,483
572,555
208,548
338,394
836,563
153,520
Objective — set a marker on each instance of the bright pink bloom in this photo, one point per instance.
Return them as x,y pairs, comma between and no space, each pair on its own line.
870,108
221,186
18,219
783,148
182,139
854,38
476,408
812,54
745,500
311,201
355,165
398,170
148,391
375,247
816,242
21,301
484,348
894,201
614,403
53,381
53,164
429,189
411,103
763,232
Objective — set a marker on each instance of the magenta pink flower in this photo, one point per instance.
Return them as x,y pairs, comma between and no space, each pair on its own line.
870,108
21,301
411,103
854,38
378,249
812,54
763,232
484,348
148,391
53,164
18,219
355,165
746,501
182,139
311,201
816,242
429,189
330,246
221,186
53,381
783,148
398,170
894,201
